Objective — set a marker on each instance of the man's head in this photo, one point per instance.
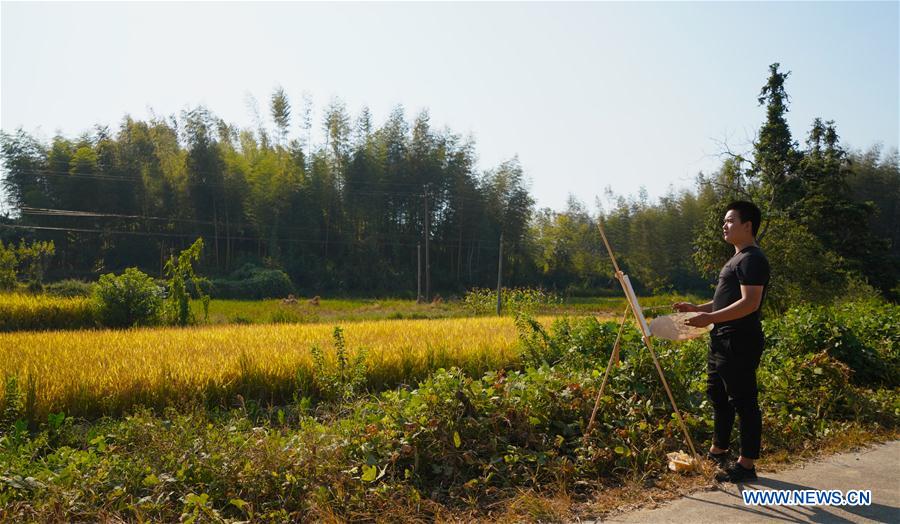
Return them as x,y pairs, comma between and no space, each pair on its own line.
741,222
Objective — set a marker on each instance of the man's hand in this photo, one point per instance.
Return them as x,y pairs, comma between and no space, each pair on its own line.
701,320
685,307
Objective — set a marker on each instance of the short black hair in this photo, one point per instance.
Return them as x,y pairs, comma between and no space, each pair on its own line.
747,211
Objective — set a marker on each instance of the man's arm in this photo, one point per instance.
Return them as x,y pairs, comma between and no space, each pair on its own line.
751,297
688,307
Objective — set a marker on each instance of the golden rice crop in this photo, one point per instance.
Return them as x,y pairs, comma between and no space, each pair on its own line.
19,311
91,373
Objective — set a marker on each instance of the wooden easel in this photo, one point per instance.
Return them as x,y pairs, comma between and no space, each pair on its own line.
636,310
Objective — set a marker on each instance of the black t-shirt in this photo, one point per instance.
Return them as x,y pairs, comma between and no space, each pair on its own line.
748,267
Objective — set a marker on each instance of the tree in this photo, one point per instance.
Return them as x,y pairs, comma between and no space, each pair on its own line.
26,179
829,212
567,251
9,261
182,277
509,207
336,126
874,176
33,259
281,114
204,165
775,154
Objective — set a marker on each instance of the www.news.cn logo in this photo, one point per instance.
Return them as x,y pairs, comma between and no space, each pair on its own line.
806,497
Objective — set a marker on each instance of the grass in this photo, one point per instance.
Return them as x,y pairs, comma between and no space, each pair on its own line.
327,310
27,312
362,309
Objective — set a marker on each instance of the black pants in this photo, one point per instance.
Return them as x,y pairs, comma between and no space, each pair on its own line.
731,386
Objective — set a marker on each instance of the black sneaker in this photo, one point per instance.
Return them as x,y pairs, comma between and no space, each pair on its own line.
722,459
736,473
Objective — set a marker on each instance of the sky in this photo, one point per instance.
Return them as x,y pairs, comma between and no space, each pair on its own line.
589,96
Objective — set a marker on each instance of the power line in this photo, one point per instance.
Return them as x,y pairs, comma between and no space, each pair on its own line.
90,214
114,177
131,179
450,244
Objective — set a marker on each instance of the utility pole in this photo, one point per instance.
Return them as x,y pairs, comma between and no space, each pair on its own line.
419,273
427,258
500,276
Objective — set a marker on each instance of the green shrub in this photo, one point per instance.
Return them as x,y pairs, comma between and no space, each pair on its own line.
253,283
70,288
863,335
343,378
574,341
129,299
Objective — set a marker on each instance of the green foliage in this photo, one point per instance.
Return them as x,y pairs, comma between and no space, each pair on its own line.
343,377
804,272
651,240
8,263
28,258
253,283
873,178
570,341
567,251
482,301
281,112
70,288
861,335
284,317
126,300
13,405
775,154
181,275
33,259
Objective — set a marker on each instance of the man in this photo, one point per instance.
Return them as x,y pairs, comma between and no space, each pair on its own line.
736,343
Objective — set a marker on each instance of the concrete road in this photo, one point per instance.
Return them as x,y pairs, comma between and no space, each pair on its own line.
876,468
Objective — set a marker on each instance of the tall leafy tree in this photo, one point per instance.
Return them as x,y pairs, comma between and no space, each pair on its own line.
775,152
280,108
204,168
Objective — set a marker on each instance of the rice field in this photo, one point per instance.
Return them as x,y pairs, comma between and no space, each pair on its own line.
22,311
108,372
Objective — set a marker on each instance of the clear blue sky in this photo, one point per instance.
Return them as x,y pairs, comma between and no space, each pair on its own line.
589,95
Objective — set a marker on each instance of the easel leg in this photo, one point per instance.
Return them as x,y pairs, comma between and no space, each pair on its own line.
662,377
613,360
